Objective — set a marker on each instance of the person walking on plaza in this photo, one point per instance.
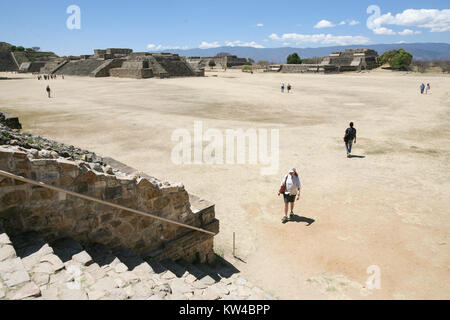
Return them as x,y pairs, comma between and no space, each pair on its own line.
289,87
349,139
428,89
48,91
422,88
282,88
290,188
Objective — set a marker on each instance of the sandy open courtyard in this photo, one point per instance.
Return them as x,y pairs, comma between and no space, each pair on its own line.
387,208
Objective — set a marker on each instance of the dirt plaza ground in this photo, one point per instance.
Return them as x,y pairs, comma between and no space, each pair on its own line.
388,207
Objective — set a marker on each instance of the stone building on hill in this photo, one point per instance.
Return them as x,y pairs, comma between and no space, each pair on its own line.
123,63
221,61
353,59
349,60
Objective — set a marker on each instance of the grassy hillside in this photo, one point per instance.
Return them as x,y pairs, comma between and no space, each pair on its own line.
5,46
33,56
28,55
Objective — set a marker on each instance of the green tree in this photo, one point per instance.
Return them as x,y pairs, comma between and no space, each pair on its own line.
263,63
212,63
251,61
397,59
13,48
20,48
294,59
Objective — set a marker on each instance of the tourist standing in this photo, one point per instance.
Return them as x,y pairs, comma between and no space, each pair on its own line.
289,87
282,88
422,88
428,89
290,188
349,139
48,91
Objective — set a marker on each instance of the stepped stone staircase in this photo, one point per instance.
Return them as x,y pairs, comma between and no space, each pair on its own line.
174,66
7,62
104,69
80,67
31,268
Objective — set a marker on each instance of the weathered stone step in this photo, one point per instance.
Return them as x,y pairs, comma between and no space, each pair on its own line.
157,267
192,269
209,271
13,274
66,248
36,255
101,254
65,270
135,263
175,268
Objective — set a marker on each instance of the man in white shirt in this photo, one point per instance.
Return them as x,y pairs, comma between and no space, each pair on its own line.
293,188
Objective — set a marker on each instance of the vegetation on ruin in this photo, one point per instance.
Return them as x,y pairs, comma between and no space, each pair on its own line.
212,64
263,63
246,68
397,59
294,58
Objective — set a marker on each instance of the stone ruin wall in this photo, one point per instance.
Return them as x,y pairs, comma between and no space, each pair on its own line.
24,207
131,73
308,68
7,62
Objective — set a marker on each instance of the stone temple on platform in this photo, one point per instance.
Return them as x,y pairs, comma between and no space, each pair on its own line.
353,59
349,60
119,62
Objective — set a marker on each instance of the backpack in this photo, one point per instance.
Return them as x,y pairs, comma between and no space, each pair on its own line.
349,134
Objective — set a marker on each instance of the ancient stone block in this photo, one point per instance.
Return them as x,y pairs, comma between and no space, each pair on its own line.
42,194
13,198
113,193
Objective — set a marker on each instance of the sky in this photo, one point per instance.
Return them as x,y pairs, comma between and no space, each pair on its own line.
180,24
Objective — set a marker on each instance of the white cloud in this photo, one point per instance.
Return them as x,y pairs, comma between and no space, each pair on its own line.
328,39
260,25
239,43
206,45
349,22
384,31
324,24
154,47
408,32
433,19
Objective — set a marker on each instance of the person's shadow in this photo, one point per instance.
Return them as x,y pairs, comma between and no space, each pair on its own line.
299,219
359,157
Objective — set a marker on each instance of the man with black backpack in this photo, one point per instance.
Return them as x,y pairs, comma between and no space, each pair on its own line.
349,139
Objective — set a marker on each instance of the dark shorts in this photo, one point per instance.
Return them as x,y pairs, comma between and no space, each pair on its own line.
288,198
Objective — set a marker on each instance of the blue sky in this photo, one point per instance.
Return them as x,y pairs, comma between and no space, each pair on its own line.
158,25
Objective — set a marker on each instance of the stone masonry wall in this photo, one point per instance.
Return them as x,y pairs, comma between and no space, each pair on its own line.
24,207
131,73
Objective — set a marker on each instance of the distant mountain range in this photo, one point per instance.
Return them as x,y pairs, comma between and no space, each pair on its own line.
420,51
